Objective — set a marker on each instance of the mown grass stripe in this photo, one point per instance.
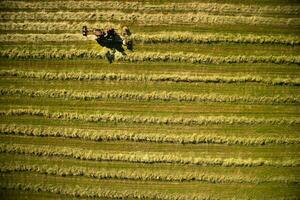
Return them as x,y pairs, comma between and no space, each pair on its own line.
143,18
139,174
150,7
153,108
179,191
159,37
102,66
44,75
66,27
119,135
99,192
221,151
214,38
118,118
150,96
16,53
263,174
140,157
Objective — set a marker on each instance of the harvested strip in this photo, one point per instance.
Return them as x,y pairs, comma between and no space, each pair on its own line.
143,96
161,37
143,18
92,65
227,174
147,77
56,27
35,38
118,118
87,187
112,135
138,174
99,192
214,37
140,157
198,58
52,26
16,53
145,6
274,152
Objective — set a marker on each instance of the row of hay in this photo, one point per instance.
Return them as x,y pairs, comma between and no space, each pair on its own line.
98,192
19,53
83,76
141,157
149,7
159,37
120,118
139,136
148,96
144,18
198,38
142,174
66,27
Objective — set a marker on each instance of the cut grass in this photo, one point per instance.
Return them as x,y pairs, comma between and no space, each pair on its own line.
219,123
256,131
138,174
269,155
161,108
202,155
144,18
150,7
118,135
180,57
124,189
100,66
15,194
184,91
99,116
150,96
80,76
64,43
246,131
74,27
211,174
160,37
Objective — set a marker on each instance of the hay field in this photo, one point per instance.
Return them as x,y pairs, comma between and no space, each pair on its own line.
205,107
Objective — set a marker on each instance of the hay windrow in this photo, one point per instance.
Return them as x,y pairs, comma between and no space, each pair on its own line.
81,76
135,136
119,118
144,18
180,57
148,96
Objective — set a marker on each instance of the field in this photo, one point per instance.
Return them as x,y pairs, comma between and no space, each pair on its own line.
205,107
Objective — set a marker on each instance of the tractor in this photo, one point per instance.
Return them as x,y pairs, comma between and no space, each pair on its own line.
110,39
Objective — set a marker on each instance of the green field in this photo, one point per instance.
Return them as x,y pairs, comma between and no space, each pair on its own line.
205,107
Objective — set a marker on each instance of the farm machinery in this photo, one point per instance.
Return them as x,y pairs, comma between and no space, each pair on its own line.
111,39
